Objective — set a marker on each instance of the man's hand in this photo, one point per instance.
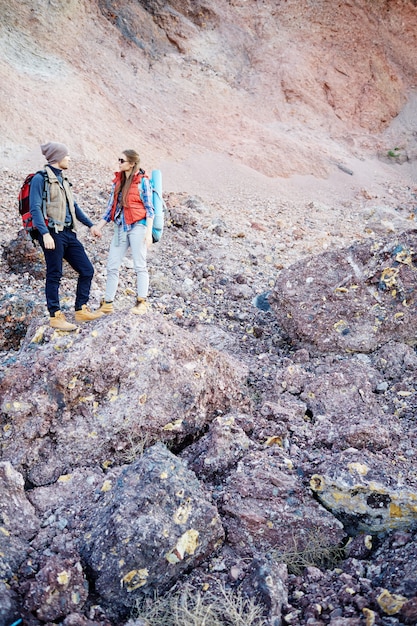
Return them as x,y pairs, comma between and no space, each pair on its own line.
96,231
48,242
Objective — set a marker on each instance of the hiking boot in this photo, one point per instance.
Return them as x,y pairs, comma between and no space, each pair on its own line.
59,322
106,307
85,315
140,307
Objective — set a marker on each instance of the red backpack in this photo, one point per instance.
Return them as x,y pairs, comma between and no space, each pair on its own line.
24,204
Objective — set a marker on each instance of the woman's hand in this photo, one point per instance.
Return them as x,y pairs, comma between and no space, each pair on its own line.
148,239
96,230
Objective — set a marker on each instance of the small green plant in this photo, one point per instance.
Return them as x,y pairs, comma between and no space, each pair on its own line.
393,153
315,552
191,607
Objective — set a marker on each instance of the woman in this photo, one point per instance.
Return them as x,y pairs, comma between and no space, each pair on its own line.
130,208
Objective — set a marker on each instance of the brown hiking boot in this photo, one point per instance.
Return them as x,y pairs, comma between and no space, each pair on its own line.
85,315
106,307
140,307
59,322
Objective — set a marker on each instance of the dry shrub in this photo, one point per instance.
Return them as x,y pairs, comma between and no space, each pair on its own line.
191,607
316,552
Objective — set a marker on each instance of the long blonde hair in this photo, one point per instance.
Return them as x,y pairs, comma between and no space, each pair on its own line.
125,181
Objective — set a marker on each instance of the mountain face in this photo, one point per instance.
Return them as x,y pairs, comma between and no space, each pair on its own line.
277,86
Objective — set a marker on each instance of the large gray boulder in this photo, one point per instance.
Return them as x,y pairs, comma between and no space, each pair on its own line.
155,523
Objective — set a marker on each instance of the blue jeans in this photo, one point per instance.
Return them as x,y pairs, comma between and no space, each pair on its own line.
121,242
69,248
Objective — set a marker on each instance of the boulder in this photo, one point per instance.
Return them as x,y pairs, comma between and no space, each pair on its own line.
18,525
8,604
155,523
221,448
342,404
102,394
17,514
267,580
23,255
368,492
18,521
351,299
266,508
398,573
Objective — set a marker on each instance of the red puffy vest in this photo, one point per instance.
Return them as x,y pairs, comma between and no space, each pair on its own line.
134,209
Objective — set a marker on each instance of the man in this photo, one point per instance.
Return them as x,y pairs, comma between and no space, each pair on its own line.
55,219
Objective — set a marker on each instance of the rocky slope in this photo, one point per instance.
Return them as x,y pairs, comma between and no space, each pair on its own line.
281,462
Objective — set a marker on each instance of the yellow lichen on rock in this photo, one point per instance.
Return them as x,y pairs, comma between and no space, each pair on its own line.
317,482
405,256
39,334
63,578
389,276
369,616
173,425
274,440
378,507
15,407
341,326
182,514
360,468
186,544
64,478
390,603
112,393
134,579
72,382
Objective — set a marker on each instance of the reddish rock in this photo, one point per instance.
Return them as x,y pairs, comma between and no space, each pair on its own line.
103,393
266,507
350,299
318,397
218,450
24,255
408,611
58,588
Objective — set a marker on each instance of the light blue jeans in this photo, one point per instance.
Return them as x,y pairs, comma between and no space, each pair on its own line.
120,243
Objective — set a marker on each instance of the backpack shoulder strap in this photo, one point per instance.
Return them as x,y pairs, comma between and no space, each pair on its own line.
45,193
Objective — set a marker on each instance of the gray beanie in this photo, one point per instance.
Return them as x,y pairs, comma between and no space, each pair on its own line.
54,152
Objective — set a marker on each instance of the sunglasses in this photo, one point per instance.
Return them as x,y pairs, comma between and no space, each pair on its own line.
122,160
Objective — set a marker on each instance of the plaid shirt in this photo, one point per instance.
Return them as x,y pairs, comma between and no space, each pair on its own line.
146,197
